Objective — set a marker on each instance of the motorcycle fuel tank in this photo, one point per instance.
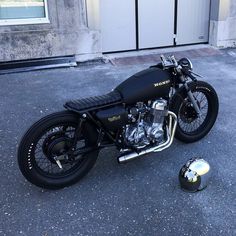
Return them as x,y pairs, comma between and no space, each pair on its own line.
146,85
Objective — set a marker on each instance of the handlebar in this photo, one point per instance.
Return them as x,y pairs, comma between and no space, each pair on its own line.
174,60
171,62
189,74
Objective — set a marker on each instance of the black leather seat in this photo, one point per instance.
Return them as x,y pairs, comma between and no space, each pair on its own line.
91,103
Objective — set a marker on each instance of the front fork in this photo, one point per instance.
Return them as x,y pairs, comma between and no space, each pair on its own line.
190,95
192,99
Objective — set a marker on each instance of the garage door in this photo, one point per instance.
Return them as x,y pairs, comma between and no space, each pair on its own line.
141,24
118,25
193,21
156,23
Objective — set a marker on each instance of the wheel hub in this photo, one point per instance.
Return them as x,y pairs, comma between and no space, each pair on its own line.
56,145
188,113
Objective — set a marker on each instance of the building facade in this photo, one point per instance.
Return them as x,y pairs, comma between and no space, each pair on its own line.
32,29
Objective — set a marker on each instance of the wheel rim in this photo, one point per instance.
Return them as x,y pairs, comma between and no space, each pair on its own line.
42,156
188,120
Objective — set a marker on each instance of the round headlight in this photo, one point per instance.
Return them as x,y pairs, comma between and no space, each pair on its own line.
186,63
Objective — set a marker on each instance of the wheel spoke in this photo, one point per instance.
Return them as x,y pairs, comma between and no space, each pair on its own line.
46,163
187,121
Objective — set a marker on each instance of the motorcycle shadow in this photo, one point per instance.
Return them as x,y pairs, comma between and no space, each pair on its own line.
108,167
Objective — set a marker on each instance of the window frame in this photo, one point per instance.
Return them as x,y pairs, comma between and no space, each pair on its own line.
28,21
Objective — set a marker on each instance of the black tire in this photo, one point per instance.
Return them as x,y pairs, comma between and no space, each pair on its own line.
212,111
27,155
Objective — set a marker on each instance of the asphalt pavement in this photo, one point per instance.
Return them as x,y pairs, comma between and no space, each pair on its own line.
142,197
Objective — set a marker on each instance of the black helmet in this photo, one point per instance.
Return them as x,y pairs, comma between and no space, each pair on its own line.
194,175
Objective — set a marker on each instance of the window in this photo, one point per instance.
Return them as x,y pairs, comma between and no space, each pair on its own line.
16,12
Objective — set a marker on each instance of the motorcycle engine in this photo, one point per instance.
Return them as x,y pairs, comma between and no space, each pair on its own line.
147,125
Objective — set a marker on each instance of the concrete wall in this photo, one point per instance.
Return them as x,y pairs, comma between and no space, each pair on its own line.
223,23
67,34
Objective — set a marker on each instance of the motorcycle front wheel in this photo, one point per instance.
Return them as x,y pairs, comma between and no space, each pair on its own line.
52,137
192,127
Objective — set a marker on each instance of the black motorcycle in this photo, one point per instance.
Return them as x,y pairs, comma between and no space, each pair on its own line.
142,115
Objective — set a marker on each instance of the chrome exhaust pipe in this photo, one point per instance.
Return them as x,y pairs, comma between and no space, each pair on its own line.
170,137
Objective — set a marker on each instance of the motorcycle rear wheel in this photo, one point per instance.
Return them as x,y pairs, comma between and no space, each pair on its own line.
192,128
47,138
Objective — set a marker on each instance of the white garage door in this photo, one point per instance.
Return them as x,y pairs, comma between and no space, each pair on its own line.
156,23
118,25
193,21
140,24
